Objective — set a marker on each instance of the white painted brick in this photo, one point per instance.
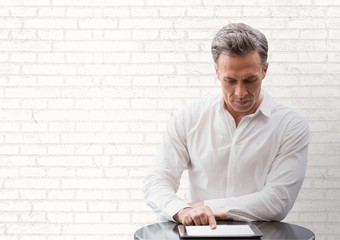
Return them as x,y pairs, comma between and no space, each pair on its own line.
64,161
102,3
60,194
116,218
89,195
32,217
12,206
90,172
59,217
116,12
15,160
117,35
255,11
8,217
101,161
200,12
33,228
8,23
97,46
23,57
145,34
102,206
79,11
54,23
171,11
51,12
9,150
31,183
4,12
116,194
145,58
50,34
88,218
94,23
58,206
144,12
144,23
9,194
32,172
172,57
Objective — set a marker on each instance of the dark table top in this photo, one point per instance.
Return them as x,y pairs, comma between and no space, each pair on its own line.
270,230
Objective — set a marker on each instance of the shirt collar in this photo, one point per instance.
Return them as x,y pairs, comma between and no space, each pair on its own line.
265,107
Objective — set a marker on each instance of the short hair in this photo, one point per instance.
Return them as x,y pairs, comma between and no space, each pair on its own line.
239,39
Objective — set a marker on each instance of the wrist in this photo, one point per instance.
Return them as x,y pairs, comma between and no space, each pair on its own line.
179,215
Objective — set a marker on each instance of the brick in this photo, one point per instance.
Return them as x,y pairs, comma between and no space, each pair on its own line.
94,23
59,217
116,12
31,183
33,217
144,12
64,161
116,194
89,195
171,11
200,12
102,206
33,228
99,3
51,12
88,218
50,23
50,34
57,206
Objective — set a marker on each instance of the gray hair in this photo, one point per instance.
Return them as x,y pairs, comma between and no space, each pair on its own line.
239,39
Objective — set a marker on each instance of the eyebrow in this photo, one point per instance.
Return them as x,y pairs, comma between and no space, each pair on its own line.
247,78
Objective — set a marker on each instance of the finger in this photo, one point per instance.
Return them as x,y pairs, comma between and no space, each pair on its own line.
187,220
203,218
221,216
196,218
211,218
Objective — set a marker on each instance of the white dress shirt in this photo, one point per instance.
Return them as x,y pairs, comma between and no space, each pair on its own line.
253,171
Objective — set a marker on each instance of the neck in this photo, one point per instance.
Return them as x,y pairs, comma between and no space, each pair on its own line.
239,115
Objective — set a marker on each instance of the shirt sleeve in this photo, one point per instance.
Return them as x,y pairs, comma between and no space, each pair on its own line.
283,181
163,179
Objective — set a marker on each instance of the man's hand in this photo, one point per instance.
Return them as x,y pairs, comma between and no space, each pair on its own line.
198,214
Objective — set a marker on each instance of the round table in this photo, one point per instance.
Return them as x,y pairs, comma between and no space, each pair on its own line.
270,230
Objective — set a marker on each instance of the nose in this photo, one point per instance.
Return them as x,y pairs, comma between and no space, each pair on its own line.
240,90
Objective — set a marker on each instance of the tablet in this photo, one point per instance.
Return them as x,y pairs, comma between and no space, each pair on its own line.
221,231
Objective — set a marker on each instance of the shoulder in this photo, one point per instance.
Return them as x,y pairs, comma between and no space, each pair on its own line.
290,120
199,108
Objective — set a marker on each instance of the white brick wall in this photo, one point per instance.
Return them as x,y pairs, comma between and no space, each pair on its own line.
88,86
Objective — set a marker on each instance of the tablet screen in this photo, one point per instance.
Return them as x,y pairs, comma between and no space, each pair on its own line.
220,231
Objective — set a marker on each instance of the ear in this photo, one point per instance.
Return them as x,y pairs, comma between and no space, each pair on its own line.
265,69
216,71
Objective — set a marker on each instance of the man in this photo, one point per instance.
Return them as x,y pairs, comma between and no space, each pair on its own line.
246,155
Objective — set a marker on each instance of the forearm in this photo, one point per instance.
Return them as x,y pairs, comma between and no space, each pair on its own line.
161,197
270,204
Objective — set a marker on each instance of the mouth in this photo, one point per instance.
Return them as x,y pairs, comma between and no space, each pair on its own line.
243,102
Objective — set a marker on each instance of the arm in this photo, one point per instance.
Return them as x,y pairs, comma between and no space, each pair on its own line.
283,182
163,180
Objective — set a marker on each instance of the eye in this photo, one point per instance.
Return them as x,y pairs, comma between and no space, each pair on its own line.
230,81
249,80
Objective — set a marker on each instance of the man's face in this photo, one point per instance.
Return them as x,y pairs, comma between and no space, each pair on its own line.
241,78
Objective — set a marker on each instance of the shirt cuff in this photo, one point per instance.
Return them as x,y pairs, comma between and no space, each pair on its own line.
173,207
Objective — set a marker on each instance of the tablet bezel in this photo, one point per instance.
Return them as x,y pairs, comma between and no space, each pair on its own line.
257,233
